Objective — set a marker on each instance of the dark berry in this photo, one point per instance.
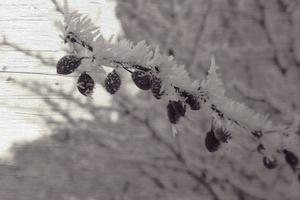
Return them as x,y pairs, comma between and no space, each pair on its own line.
85,84
222,134
156,87
73,40
68,64
179,107
260,148
142,79
175,110
112,82
269,162
291,158
172,114
211,142
191,100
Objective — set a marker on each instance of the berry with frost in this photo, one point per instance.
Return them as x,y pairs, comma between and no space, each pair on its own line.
269,162
68,64
175,110
112,82
142,79
191,100
85,84
156,87
212,144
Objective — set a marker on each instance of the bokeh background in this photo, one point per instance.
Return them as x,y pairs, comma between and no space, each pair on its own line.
56,144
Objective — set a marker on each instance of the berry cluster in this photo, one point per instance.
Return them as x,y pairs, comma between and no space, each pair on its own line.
67,65
291,159
144,78
149,79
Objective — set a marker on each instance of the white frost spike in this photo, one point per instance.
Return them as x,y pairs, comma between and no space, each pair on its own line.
213,83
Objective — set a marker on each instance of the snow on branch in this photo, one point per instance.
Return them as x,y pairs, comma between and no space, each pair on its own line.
233,123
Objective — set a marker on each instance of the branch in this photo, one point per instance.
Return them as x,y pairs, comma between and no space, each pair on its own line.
230,118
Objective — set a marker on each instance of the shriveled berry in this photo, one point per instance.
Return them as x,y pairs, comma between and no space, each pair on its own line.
175,110
85,84
191,100
212,144
269,162
156,87
142,79
112,82
68,64
291,158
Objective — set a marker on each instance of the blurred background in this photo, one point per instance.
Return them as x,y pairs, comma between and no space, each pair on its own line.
56,144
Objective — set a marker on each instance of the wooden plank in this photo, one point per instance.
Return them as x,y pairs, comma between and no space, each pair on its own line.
30,25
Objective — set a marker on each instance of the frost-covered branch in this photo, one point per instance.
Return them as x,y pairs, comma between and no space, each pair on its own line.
234,126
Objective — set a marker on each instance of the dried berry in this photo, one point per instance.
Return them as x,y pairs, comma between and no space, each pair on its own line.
211,142
175,110
156,87
291,158
191,100
222,134
112,82
142,79
68,64
85,84
269,162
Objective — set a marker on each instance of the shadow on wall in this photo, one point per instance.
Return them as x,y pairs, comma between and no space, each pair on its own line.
133,157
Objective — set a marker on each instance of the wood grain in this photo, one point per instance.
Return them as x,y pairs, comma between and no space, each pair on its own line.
29,25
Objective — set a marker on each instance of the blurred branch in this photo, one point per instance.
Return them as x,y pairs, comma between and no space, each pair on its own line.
177,154
58,8
30,53
196,49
